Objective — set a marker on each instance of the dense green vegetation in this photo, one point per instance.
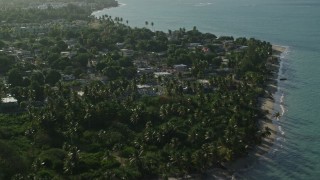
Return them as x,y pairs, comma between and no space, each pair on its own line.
32,4
66,129
70,12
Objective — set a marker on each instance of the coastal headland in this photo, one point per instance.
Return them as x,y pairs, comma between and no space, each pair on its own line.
267,104
96,98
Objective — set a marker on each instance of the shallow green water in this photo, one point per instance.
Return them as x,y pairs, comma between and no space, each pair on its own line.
292,23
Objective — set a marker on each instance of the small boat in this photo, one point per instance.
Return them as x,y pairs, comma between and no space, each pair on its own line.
283,79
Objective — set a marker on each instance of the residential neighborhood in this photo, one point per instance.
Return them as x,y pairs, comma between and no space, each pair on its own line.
85,97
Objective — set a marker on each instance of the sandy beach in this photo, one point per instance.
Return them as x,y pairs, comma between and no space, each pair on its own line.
279,49
266,104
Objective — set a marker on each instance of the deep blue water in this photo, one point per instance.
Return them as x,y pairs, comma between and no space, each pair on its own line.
292,23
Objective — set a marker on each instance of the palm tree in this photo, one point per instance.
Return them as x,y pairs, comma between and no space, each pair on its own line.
277,115
72,160
137,160
194,28
134,118
267,132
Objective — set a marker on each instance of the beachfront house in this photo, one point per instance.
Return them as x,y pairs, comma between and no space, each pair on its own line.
147,90
145,70
127,52
180,67
161,74
193,46
120,45
8,104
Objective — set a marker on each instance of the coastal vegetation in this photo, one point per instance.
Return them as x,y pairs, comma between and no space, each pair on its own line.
45,4
108,101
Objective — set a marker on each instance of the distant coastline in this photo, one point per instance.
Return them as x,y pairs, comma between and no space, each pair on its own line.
107,7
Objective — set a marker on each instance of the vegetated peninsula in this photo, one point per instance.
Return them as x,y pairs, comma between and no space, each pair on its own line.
87,98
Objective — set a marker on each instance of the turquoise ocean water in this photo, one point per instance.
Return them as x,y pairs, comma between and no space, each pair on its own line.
292,23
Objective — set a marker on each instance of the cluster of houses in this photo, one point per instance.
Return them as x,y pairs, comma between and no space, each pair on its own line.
152,89
19,54
41,29
56,5
156,70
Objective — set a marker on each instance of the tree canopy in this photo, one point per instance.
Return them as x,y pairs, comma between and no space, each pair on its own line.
108,101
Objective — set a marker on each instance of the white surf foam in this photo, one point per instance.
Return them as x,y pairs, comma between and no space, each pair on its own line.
203,4
280,139
122,4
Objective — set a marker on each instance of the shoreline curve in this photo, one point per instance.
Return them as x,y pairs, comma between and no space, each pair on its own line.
267,104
